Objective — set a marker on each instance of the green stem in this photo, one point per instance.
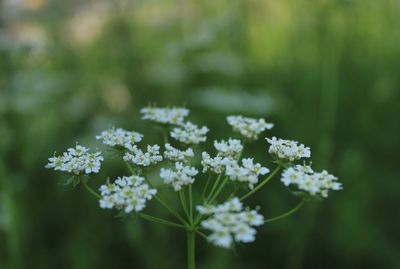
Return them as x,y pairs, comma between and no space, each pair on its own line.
199,216
197,220
90,190
265,181
161,221
191,237
165,134
287,214
183,203
202,235
210,201
131,169
206,186
144,216
172,211
241,153
191,204
218,191
214,187
158,198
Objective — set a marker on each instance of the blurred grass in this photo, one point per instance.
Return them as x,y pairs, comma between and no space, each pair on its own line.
325,72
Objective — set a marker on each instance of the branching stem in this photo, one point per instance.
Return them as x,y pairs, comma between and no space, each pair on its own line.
161,221
287,214
259,186
90,190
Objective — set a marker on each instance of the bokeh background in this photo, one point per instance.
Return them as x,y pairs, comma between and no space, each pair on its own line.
326,72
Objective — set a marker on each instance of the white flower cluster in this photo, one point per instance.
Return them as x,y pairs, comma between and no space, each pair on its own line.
162,115
226,223
127,193
288,149
120,138
249,127
180,176
226,161
174,154
230,148
314,183
248,172
140,158
76,160
228,152
229,223
216,164
189,133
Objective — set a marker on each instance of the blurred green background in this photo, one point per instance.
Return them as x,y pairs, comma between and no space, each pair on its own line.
326,72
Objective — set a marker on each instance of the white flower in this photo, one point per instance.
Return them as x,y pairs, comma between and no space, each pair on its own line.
174,154
228,222
231,148
221,239
189,133
213,224
205,209
288,149
228,152
163,115
126,193
77,161
248,172
244,233
313,183
180,176
252,217
249,127
140,158
233,204
120,138
216,164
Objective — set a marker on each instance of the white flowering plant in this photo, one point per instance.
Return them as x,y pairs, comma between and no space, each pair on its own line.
217,213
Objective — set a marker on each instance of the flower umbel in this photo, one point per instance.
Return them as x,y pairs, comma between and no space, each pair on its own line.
174,154
229,223
249,128
163,115
120,138
288,150
231,148
313,183
216,164
228,175
189,133
180,176
126,193
77,161
140,158
248,172
228,153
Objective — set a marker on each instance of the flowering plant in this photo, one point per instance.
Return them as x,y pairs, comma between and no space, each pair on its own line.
218,214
